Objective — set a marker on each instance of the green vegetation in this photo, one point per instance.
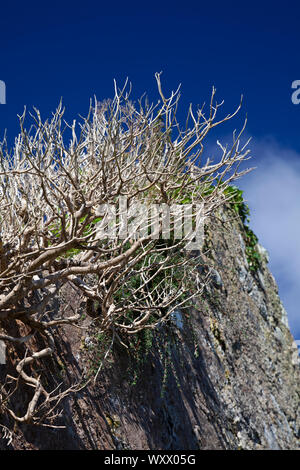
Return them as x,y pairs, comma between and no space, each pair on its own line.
238,204
96,352
253,256
241,208
55,229
140,349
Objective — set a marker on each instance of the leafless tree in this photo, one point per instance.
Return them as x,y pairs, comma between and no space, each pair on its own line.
57,188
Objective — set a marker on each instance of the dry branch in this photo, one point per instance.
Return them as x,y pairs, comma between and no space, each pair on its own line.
55,201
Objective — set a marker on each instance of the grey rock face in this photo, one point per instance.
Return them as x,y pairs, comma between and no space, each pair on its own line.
2,352
224,374
216,278
263,253
176,318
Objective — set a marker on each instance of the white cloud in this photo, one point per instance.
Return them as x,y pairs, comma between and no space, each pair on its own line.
273,194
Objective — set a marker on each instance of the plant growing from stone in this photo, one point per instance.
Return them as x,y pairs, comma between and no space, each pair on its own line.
57,188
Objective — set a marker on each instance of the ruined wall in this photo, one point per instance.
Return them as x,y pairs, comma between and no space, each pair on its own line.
224,375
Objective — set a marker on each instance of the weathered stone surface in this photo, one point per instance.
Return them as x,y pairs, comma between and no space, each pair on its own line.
224,375
2,352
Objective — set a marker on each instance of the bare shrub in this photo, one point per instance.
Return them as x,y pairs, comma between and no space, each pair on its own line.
55,200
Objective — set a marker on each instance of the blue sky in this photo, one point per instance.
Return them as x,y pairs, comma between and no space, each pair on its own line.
63,49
